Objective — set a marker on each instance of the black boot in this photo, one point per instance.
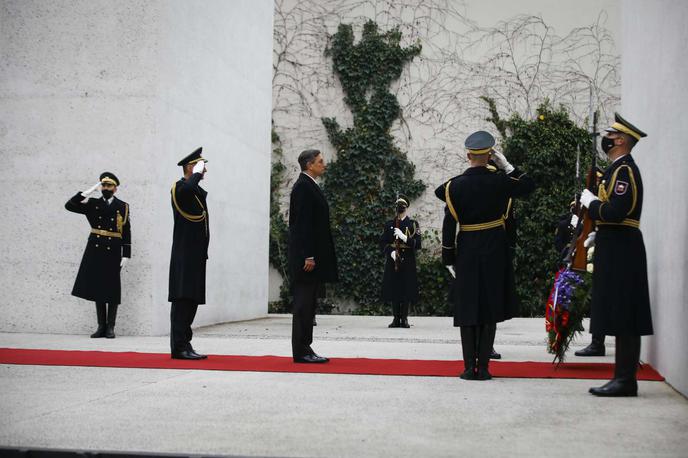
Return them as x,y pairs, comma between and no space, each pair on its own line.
596,347
100,313
396,322
404,306
495,355
468,340
111,317
486,335
625,369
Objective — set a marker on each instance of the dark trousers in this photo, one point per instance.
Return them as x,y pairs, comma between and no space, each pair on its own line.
182,314
627,357
303,311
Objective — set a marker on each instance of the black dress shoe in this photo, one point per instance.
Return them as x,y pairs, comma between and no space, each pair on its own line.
395,323
495,355
311,359
186,354
110,332
201,356
404,323
321,357
593,349
617,388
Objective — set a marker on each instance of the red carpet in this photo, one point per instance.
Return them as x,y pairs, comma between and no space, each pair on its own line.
362,366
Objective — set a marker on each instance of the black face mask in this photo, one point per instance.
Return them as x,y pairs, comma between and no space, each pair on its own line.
401,209
607,144
107,193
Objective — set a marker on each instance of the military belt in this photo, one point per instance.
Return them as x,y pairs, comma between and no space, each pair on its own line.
482,226
106,233
626,222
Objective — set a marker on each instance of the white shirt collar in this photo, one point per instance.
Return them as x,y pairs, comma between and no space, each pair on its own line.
109,201
310,178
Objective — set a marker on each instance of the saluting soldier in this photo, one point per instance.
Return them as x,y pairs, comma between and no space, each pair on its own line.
107,250
399,241
189,254
620,296
478,255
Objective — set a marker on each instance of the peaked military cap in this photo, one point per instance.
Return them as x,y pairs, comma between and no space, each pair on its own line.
480,142
621,125
403,200
110,178
193,157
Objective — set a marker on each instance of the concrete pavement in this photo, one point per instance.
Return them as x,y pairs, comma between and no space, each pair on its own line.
275,414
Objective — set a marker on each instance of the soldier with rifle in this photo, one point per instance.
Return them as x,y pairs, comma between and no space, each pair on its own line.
620,296
399,242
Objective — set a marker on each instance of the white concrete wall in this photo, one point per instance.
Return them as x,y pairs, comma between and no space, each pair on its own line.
131,87
654,97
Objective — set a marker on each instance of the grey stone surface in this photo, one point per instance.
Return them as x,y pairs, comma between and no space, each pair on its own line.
131,87
273,414
654,97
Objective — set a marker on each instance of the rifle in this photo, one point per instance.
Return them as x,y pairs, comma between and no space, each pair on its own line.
397,244
577,257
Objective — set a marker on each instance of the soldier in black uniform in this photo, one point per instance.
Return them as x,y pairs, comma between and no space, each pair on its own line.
189,254
107,250
400,280
478,255
620,296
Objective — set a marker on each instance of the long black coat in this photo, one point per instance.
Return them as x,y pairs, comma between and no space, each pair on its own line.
481,292
400,285
310,234
190,241
620,296
98,278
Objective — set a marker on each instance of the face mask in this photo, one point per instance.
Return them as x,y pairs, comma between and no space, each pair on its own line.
607,144
401,209
107,193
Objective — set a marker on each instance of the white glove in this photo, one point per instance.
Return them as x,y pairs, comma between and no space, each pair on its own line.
123,262
501,162
587,197
590,241
574,220
451,270
393,255
400,235
91,190
199,167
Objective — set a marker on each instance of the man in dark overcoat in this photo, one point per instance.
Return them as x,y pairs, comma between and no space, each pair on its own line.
620,294
107,250
189,254
399,242
478,255
312,259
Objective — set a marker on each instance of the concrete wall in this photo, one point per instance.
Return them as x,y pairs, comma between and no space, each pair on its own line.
654,97
131,87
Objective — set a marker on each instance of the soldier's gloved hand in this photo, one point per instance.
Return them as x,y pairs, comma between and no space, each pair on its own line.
501,162
590,241
123,262
199,167
400,235
587,198
451,270
393,255
91,190
574,220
